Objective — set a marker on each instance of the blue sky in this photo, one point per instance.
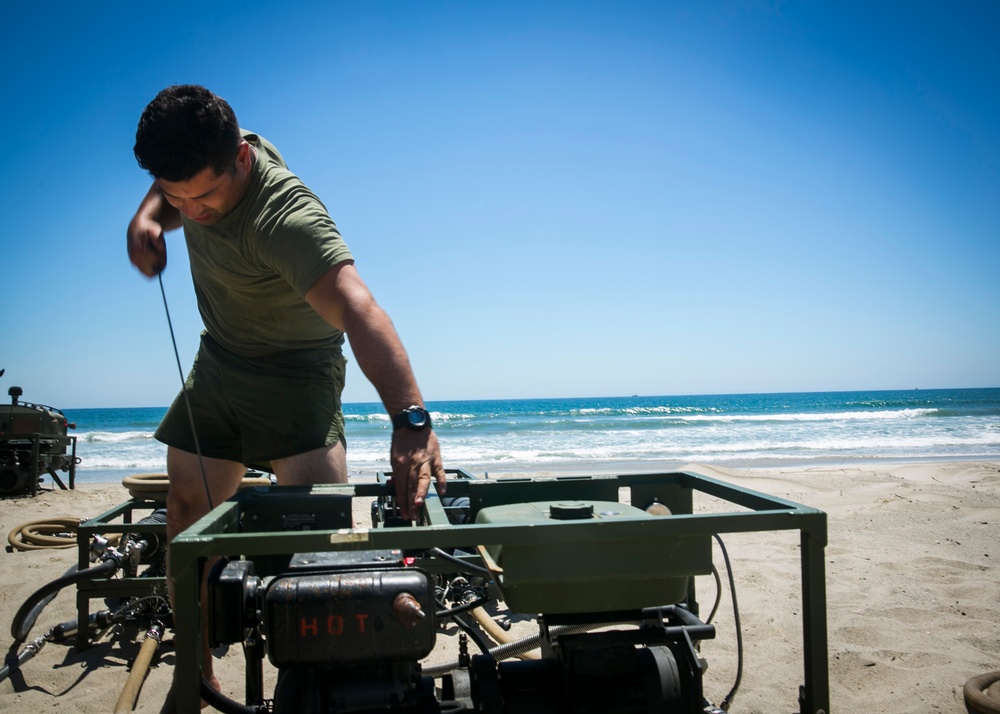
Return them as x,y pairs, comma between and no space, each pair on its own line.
550,199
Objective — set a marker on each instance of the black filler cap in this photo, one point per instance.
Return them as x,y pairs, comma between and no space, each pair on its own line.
571,510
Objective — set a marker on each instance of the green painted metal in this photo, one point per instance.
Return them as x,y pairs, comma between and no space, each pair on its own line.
244,527
597,575
117,521
34,442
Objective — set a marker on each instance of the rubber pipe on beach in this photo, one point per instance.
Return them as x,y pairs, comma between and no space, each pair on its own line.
26,615
20,631
515,648
59,633
16,659
224,704
140,667
499,635
982,694
47,533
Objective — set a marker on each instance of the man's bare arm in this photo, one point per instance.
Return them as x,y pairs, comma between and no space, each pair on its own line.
341,297
147,248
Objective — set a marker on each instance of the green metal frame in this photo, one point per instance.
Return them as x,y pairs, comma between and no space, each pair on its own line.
119,520
234,529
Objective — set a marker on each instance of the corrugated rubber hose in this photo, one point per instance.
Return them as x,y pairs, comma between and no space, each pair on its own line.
130,692
982,694
57,532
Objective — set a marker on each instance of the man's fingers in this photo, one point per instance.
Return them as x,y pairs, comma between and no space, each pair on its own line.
437,467
419,482
416,461
441,479
147,249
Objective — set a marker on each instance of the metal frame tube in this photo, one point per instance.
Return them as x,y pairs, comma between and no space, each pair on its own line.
219,534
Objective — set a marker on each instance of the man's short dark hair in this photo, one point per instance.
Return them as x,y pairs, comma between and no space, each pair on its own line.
185,130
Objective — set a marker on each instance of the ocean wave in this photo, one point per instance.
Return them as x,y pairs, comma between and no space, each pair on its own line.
137,462
381,418
638,411
736,429
377,418
113,437
615,417
819,416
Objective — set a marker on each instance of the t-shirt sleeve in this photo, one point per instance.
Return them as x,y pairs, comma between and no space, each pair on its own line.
300,240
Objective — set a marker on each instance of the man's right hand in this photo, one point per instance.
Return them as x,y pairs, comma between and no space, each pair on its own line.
147,248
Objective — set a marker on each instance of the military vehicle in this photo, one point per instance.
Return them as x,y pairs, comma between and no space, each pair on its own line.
33,443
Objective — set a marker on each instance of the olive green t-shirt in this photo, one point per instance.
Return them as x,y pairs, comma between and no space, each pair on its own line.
252,268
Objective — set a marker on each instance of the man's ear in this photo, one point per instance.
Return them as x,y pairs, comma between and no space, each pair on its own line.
244,155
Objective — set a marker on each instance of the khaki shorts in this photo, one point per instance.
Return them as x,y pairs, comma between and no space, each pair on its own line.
254,410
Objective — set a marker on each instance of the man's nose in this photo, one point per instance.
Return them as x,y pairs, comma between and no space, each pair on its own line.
192,209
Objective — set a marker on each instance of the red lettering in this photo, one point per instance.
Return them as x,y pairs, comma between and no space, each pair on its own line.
361,621
335,625
313,627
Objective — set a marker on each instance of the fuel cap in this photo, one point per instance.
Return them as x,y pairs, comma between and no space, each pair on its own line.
571,510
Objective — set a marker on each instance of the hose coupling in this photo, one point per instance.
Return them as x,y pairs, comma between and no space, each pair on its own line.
155,631
98,547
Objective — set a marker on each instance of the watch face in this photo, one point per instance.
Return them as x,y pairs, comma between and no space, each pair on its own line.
416,418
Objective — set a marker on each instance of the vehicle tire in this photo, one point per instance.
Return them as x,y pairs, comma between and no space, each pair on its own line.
13,480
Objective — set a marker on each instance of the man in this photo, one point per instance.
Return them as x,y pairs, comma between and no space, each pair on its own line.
277,290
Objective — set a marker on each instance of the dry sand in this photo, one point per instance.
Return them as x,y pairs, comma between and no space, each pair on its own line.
913,590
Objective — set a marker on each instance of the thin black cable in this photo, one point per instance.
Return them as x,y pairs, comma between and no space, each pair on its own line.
718,595
187,400
727,702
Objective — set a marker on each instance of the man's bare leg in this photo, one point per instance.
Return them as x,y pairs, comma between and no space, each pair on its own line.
328,464
187,502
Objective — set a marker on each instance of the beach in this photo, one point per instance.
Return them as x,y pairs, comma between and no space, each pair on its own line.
912,582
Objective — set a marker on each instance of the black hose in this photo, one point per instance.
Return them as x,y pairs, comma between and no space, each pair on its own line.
15,659
26,615
226,705
473,633
467,567
60,633
36,610
739,630
96,621
446,613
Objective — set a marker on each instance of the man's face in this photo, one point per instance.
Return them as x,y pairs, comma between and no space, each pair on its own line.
207,197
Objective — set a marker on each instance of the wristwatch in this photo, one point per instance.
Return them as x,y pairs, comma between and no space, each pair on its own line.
415,418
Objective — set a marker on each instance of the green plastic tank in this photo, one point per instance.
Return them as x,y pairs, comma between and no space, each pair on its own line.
590,575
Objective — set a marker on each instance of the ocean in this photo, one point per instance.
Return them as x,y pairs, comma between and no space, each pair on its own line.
625,434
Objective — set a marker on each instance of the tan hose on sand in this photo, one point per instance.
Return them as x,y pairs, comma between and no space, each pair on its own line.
498,633
154,486
130,693
982,694
48,533
58,532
